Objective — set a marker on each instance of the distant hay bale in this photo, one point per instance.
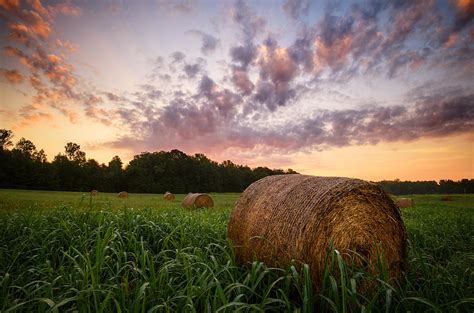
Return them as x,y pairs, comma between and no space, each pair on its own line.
123,194
295,217
446,198
197,200
169,196
404,202
94,192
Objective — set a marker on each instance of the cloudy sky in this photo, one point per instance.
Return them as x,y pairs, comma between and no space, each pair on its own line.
369,89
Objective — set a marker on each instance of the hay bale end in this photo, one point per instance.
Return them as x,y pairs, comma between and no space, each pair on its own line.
197,200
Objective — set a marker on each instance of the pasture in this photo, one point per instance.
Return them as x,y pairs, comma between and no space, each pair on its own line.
70,252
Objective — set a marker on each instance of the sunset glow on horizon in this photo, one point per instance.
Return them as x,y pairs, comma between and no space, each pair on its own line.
368,89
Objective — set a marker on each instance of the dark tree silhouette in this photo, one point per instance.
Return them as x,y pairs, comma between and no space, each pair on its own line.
74,153
154,172
5,138
26,147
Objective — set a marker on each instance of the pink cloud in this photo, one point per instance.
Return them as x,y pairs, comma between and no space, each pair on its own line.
242,81
30,118
35,24
12,76
334,55
10,5
71,47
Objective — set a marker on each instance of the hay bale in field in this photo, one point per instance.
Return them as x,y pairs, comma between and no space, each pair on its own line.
94,192
169,196
123,194
404,202
295,217
197,200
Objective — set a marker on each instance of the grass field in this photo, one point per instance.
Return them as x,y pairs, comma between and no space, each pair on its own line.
66,251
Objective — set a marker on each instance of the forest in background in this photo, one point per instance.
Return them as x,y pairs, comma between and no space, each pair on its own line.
23,166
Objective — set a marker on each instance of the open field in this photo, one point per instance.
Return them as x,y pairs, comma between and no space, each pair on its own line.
67,251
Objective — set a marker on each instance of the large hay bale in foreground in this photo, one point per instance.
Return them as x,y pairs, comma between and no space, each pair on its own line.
169,196
197,200
285,217
123,194
404,202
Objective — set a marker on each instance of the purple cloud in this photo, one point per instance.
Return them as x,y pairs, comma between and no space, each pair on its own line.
209,42
177,6
242,82
296,8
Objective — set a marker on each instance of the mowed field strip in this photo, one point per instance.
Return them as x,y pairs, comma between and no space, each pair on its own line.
70,251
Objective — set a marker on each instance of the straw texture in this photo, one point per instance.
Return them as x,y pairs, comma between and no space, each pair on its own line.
295,217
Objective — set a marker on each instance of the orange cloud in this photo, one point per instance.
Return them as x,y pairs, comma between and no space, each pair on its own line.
10,5
465,5
12,76
33,25
35,20
31,118
452,39
38,6
45,93
51,10
333,55
54,58
72,47
98,114
50,75
73,116
58,72
61,75
36,82
19,27
15,52
37,25
67,9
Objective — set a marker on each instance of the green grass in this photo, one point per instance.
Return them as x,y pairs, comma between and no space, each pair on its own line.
66,251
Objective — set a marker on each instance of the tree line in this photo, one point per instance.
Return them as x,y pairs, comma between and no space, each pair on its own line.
25,167
445,186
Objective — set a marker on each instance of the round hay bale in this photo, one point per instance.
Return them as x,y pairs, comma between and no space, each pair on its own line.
94,192
123,194
197,200
446,198
404,202
282,218
169,196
